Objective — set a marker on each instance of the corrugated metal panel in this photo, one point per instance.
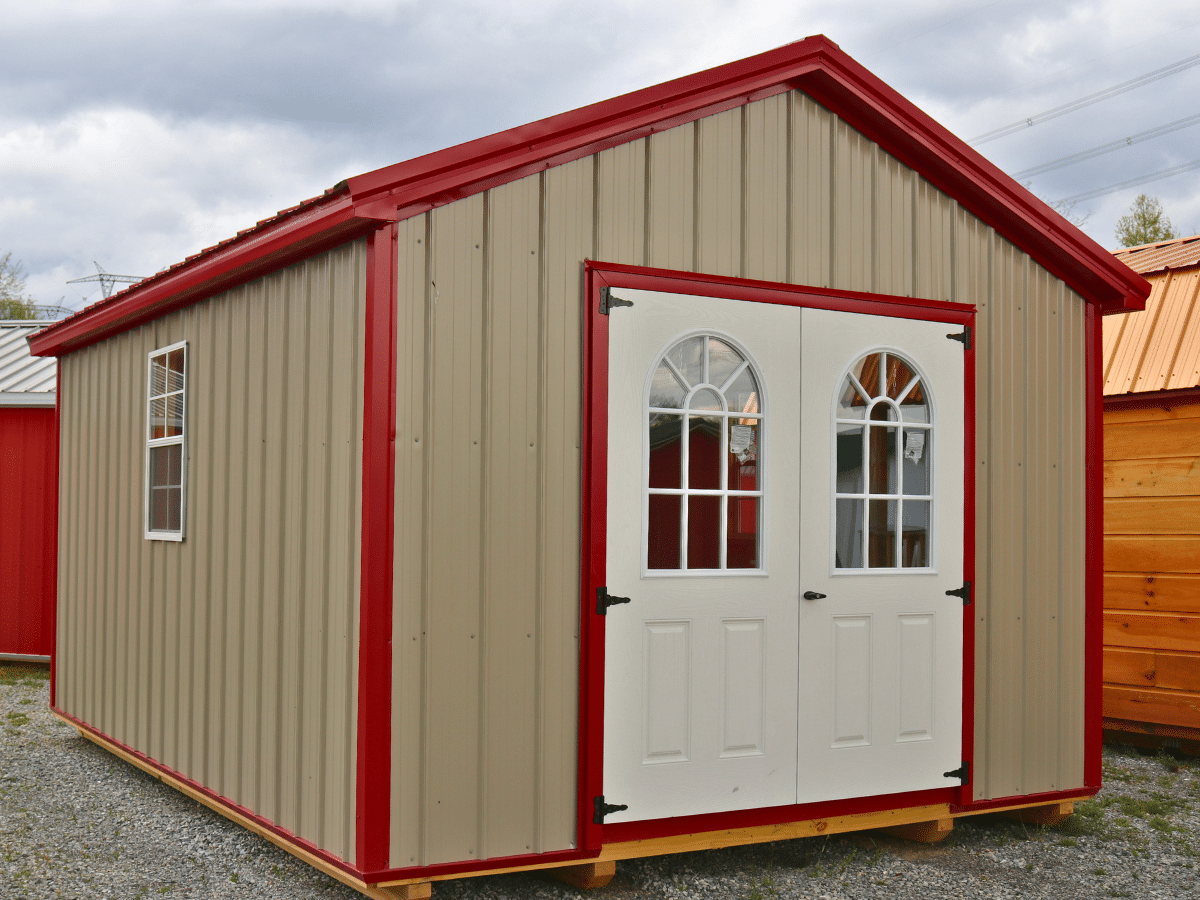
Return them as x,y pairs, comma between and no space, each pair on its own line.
231,656
671,223
21,373
487,470
853,225
812,148
1158,348
720,188
1175,254
893,228
765,236
28,440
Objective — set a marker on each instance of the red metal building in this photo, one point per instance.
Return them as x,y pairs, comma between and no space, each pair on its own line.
28,493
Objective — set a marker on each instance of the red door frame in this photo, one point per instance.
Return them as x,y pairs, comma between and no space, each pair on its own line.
599,275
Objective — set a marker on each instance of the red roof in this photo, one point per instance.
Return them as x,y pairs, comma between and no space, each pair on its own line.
815,66
1175,254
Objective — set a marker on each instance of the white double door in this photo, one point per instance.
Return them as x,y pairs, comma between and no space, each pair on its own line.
726,689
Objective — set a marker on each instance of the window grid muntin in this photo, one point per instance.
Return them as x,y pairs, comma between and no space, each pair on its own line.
898,427
169,440
724,415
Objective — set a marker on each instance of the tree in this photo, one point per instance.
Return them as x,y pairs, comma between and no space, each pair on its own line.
13,302
1145,224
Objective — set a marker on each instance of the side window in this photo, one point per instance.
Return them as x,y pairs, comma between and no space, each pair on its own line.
883,488
166,434
704,477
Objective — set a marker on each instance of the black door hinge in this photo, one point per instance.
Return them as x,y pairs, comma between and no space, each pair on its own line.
604,600
603,809
963,593
963,773
609,301
964,338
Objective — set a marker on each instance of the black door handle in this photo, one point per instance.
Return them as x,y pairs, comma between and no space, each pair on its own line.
813,595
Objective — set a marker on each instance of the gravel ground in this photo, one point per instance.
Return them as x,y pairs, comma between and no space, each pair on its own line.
76,822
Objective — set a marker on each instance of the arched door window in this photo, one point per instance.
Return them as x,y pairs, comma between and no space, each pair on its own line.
883,487
703,436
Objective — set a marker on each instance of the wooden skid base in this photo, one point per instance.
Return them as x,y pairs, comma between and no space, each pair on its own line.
1049,814
923,832
588,875
1152,736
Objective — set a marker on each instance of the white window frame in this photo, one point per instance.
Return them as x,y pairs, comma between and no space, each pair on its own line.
867,496
724,493
152,442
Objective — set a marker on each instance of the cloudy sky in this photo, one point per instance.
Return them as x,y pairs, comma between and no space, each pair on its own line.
136,132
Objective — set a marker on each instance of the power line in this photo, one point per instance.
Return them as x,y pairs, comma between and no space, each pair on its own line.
1108,148
1148,78
1133,182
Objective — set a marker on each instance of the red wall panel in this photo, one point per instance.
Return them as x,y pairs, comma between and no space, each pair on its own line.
27,539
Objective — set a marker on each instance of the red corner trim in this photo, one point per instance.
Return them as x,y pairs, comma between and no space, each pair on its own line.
1093,703
814,65
374,770
966,791
265,824
52,575
593,562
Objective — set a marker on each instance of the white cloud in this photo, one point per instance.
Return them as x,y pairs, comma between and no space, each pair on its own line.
137,192
136,133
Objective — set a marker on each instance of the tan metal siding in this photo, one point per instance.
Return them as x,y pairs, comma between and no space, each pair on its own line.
566,235
621,204
852,210
409,587
671,217
453,753
765,237
719,191
231,656
893,228
811,191
488,392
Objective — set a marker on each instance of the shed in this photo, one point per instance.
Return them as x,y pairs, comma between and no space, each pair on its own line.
28,496
715,464
1152,503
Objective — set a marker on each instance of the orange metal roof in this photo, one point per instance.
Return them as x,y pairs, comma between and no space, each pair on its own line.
1157,349
1149,258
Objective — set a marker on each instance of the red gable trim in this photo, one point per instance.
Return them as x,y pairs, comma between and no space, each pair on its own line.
285,240
815,66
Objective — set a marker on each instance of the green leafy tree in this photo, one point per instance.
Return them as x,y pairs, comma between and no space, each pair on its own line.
1145,224
13,302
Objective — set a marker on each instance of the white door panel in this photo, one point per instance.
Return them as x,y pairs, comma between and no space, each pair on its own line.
725,690
700,670
883,645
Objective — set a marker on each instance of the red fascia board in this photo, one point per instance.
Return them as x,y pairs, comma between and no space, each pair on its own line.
293,237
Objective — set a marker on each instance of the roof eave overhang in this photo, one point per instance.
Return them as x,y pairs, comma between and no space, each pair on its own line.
815,66
331,221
